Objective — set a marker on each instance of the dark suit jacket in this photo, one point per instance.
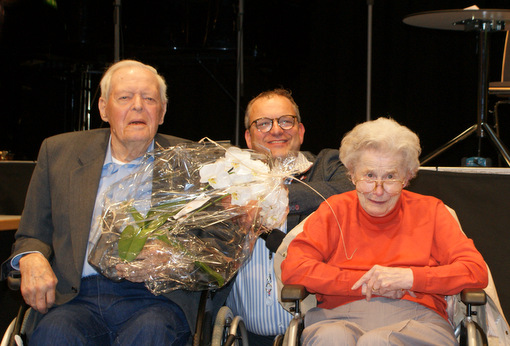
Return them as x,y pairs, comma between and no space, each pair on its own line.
327,176
59,205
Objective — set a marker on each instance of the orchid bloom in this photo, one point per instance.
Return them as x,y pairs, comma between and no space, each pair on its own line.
242,194
236,168
274,206
216,174
246,179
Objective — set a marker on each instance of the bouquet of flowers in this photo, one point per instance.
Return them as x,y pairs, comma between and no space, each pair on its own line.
189,216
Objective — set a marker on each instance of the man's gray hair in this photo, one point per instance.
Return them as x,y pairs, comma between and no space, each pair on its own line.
107,78
269,94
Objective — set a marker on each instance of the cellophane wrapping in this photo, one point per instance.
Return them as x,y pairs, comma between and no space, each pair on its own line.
189,215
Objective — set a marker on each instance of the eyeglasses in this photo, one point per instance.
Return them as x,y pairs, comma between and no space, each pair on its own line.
286,122
391,186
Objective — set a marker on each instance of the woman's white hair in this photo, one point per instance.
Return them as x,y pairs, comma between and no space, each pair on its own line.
383,135
106,81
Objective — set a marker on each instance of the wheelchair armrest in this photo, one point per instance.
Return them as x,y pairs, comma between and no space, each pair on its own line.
14,280
291,293
294,293
473,296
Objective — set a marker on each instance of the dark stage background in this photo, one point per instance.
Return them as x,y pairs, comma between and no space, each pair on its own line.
424,78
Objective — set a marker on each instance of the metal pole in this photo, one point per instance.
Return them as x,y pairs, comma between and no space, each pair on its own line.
369,59
116,23
498,143
240,72
457,139
483,64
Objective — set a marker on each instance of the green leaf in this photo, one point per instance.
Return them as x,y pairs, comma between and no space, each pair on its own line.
133,239
207,205
136,214
158,209
130,243
219,279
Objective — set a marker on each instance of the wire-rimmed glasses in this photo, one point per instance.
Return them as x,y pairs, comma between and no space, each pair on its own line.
391,186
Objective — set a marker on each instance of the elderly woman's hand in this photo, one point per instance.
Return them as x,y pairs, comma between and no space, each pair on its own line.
390,282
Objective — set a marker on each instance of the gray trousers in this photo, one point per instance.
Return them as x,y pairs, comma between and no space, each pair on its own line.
382,321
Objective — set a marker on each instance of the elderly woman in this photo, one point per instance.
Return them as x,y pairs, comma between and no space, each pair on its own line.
381,259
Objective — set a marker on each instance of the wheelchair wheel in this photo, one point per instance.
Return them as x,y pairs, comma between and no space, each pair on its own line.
472,334
16,332
278,341
8,332
229,330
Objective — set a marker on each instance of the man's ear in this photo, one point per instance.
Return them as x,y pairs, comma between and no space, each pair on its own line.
102,109
247,138
301,129
162,119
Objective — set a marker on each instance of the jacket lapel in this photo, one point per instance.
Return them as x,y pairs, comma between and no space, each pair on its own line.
83,190
84,182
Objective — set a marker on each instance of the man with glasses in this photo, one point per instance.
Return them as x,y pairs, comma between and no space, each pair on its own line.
273,126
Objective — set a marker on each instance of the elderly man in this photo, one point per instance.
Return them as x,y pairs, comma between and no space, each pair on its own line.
273,125
60,225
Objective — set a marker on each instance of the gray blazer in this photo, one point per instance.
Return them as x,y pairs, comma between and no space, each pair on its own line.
58,210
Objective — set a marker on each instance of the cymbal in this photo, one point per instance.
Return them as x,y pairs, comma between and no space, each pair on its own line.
465,20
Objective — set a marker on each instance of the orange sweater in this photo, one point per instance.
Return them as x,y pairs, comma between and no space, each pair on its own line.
420,233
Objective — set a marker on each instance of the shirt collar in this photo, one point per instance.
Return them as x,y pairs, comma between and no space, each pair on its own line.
110,159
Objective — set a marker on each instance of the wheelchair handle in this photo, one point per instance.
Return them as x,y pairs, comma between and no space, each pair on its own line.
14,280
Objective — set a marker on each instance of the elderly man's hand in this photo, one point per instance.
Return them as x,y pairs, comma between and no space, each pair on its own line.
390,282
151,263
38,282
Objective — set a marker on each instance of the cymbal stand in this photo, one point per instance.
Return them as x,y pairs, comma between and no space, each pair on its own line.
482,128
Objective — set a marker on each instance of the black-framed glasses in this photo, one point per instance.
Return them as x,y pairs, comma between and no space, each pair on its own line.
286,122
391,186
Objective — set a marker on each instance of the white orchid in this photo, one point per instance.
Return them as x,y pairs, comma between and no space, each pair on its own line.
243,164
243,194
274,206
236,167
216,174
247,179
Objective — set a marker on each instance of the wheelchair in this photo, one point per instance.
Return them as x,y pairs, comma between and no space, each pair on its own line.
225,331
468,332
15,333
475,314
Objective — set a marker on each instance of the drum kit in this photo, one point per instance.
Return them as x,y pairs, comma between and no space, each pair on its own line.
483,22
